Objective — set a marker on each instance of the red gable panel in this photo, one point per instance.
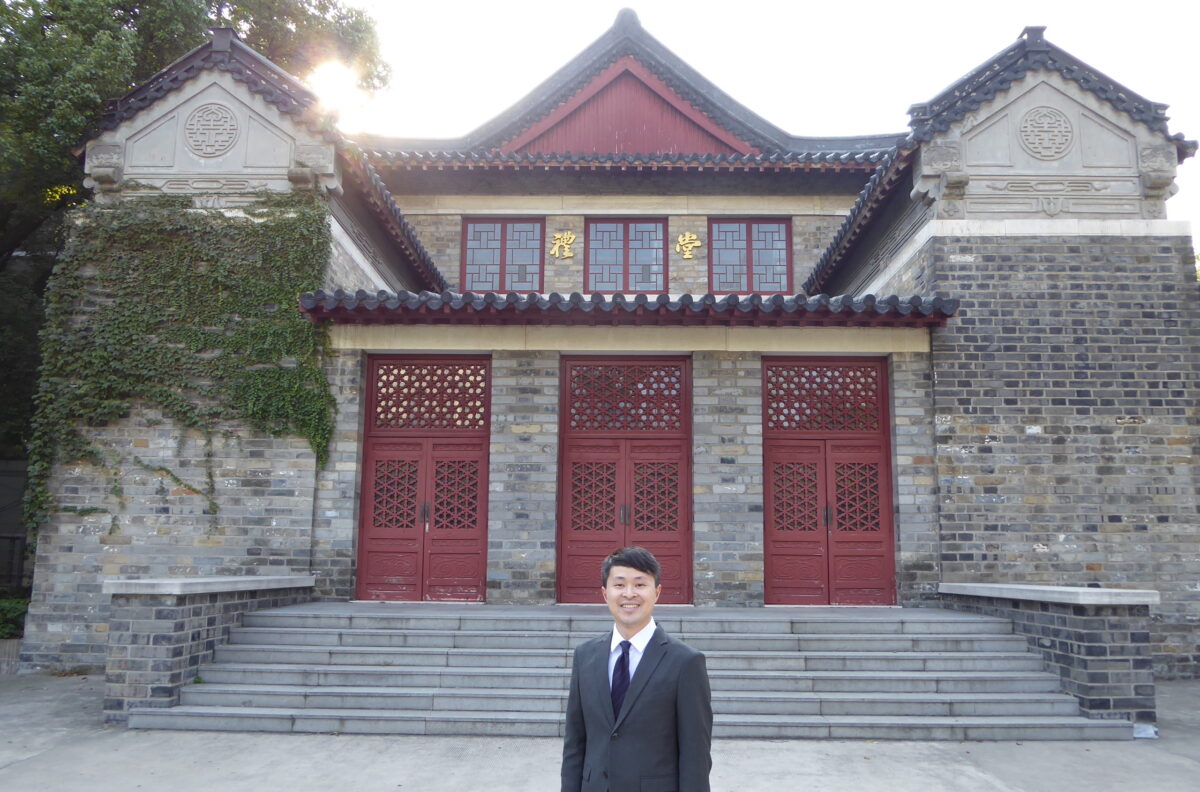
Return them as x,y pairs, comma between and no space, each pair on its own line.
626,109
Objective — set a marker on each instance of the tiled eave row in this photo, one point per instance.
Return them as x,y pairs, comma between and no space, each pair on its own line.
1032,52
889,173
391,219
754,310
226,53
835,161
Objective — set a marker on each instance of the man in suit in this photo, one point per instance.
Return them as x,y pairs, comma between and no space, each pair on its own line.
639,715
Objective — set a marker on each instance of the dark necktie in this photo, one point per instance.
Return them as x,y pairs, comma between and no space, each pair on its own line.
620,682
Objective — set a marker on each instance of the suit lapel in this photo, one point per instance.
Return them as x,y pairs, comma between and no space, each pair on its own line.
656,650
596,674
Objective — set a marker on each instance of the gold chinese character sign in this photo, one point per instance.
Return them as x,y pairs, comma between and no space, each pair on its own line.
561,247
687,244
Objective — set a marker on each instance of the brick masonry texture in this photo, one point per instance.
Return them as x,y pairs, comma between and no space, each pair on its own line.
1066,412
916,519
147,520
157,642
727,478
335,504
523,480
1101,653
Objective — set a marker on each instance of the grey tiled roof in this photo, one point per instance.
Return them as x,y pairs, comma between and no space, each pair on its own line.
225,52
769,310
627,38
1031,52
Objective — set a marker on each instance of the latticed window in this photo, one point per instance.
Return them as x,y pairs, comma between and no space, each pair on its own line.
502,255
626,256
750,256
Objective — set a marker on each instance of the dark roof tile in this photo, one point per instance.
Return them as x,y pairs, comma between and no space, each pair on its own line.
752,310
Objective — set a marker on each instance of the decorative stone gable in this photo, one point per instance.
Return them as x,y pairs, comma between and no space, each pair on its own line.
1047,148
214,139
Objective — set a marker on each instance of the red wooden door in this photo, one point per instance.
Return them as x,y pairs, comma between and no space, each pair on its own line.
423,525
620,492
828,534
625,470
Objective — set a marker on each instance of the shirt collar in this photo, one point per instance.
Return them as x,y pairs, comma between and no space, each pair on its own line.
639,641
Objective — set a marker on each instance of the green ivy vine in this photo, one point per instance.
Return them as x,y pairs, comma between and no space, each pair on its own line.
190,311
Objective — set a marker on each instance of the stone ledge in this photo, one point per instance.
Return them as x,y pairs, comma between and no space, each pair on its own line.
1073,595
208,585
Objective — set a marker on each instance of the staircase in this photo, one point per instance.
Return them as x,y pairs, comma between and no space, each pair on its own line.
784,673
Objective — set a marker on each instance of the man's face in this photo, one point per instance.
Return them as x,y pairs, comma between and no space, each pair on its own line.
630,595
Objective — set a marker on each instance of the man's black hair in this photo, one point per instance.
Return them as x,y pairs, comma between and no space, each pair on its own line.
638,558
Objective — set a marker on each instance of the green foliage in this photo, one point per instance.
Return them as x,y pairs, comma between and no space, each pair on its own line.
61,59
190,311
12,617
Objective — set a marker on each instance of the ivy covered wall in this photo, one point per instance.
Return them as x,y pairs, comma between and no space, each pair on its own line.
183,410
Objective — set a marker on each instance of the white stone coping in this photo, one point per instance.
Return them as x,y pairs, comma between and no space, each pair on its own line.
1074,595
207,585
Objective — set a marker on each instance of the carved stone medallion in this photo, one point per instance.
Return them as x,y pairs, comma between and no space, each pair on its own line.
210,130
1046,133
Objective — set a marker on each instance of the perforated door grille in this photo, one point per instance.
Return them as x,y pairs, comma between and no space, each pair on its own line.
395,493
656,496
795,496
593,495
825,398
455,494
625,397
856,485
428,396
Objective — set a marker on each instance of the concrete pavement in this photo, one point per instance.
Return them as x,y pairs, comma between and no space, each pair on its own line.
52,740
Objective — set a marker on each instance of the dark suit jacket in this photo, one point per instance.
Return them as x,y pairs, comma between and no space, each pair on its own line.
661,739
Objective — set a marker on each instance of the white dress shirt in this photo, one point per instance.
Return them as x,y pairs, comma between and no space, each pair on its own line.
638,644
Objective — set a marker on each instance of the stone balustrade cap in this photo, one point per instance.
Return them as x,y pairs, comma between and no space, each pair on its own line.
207,585
1074,595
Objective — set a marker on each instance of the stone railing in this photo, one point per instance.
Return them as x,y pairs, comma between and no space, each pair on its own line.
161,630
1096,639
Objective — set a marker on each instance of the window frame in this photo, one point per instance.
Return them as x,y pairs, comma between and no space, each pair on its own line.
626,222
504,223
748,222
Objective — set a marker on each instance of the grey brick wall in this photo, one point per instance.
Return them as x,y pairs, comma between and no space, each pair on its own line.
335,507
523,480
915,478
1066,396
157,642
727,478
147,524
1100,652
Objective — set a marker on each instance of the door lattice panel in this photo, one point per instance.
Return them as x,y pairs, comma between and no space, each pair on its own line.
656,496
626,397
593,495
431,396
395,502
796,496
857,492
456,494
822,398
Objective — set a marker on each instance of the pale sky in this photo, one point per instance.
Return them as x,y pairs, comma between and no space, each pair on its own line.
813,69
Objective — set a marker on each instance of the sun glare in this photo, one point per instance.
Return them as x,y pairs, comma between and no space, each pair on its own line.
334,83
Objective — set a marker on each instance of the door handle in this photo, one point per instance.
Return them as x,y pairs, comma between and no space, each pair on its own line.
624,514
425,515
828,517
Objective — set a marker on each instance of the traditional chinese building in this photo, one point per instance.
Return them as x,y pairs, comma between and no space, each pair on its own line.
878,370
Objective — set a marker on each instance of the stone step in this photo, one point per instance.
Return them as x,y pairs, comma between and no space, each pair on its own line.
558,678
550,724
561,658
679,621
547,639
724,702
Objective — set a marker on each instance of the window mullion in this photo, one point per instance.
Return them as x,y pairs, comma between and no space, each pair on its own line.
503,284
